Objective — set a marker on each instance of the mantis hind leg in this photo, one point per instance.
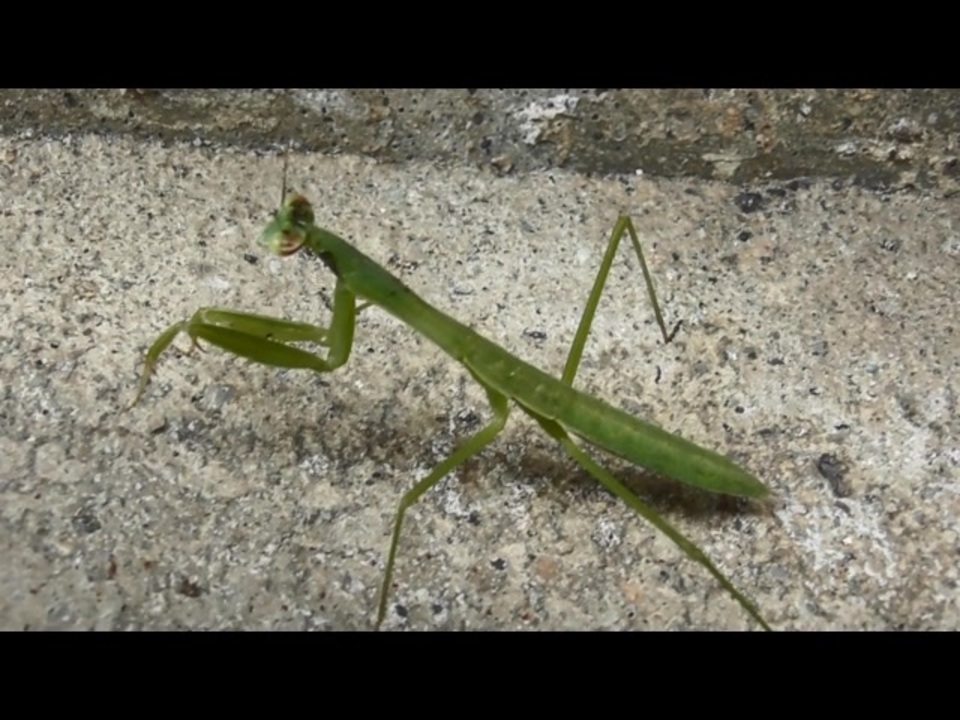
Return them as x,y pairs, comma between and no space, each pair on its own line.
470,447
624,225
264,339
616,487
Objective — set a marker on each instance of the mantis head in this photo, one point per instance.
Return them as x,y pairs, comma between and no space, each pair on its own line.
291,224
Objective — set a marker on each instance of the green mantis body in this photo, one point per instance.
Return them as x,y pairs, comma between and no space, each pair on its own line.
553,403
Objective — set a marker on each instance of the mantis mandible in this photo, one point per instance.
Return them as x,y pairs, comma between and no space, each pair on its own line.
559,408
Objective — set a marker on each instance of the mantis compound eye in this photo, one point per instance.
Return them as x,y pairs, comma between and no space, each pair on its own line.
298,209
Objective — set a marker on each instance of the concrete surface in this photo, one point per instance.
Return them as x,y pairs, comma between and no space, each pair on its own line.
879,138
819,347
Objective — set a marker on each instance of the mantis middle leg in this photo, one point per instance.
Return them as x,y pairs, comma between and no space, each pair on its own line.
470,447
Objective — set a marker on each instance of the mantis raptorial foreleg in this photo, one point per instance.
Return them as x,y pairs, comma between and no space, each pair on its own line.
263,339
467,449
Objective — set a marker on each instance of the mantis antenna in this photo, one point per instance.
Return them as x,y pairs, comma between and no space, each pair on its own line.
283,185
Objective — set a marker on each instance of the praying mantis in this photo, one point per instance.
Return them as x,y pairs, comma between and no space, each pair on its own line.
554,404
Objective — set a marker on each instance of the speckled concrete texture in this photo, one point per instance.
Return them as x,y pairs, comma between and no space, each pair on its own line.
882,138
819,348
